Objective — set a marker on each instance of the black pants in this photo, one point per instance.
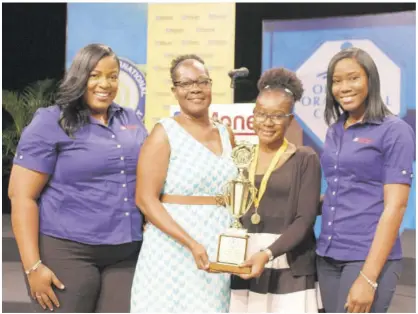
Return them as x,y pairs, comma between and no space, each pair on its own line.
336,278
97,278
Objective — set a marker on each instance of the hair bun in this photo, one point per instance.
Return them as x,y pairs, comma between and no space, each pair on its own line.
281,78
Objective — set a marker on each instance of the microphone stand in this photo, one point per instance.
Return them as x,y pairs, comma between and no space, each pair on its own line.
236,74
233,78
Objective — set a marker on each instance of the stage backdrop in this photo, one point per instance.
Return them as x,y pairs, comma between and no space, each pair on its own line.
205,29
123,27
306,46
147,37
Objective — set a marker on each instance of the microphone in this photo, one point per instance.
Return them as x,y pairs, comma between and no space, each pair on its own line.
241,72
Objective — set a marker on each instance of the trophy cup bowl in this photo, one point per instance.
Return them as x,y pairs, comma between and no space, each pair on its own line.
238,195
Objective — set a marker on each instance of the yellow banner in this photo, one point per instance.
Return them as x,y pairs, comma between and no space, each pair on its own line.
204,29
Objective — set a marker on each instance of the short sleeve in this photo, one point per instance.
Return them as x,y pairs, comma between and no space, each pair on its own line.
398,153
37,148
141,124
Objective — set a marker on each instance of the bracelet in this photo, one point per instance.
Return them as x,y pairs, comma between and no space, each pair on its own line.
33,268
373,284
269,253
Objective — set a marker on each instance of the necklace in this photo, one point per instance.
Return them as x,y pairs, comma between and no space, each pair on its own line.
347,123
255,218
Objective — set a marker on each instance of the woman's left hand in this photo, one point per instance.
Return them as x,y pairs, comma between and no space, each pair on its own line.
257,263
360,297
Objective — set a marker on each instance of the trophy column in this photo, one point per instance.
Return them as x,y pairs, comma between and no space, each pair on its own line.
239,195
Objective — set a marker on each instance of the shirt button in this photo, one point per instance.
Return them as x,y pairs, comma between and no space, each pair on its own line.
333,192
329,238
332,208
113,135
20,157
124,185
336,179
125,199
403,171
122,171
329,223
335,167
126,214
121,158
118,146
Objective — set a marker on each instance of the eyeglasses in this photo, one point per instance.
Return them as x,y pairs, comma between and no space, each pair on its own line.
260,117
202,83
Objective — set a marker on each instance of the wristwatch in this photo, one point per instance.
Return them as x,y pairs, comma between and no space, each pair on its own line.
269,253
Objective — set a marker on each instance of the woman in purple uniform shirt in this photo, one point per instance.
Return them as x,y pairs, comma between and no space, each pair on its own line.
367,162
72,190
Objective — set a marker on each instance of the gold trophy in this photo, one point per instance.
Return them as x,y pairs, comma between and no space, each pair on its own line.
238,196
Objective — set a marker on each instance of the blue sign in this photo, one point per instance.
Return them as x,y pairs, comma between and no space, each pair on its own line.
123,27
306,47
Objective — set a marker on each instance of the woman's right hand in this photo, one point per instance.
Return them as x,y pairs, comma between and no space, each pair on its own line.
40,282
200,256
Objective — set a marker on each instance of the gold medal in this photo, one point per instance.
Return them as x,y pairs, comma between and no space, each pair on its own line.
255,218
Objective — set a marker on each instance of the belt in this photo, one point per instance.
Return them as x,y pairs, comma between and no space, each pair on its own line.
192,200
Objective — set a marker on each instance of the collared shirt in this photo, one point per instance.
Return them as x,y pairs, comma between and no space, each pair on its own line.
357,163
90,196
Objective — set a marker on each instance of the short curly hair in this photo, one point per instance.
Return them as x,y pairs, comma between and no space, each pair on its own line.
176,61
281,78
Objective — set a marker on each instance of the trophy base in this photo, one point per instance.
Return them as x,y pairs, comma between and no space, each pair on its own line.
229,268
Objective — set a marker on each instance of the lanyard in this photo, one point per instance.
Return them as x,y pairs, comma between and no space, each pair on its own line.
255,218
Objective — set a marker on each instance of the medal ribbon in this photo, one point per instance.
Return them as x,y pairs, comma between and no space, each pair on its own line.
267,175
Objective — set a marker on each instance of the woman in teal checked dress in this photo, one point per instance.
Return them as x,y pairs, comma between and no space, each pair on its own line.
183,165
